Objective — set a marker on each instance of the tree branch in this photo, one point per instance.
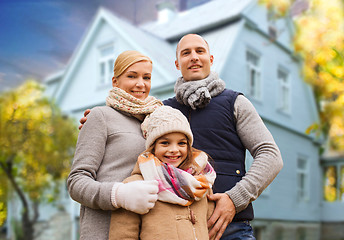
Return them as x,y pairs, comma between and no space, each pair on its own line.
8,171
36,211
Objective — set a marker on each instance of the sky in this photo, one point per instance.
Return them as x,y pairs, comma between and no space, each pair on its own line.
38,37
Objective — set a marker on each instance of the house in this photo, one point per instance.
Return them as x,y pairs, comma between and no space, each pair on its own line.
252,54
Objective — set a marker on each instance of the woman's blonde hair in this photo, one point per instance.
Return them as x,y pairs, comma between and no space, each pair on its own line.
126,59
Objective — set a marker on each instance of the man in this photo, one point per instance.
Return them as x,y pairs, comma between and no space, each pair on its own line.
224,124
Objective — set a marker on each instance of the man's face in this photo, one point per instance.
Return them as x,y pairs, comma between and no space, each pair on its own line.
193,58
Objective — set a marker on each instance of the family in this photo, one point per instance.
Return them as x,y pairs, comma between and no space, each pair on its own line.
146,169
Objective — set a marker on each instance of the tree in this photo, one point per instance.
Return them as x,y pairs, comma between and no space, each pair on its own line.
3,195
36,147
319,40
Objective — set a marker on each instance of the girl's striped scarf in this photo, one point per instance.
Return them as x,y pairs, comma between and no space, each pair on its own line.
123,101
178,186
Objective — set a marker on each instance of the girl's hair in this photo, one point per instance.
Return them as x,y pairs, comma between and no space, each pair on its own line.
189,160
126,59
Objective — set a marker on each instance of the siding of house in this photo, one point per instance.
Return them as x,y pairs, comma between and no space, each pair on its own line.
280,213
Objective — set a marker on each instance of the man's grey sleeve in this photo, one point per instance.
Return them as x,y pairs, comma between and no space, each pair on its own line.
267,159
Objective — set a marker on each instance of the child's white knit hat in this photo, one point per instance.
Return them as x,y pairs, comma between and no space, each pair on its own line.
162,121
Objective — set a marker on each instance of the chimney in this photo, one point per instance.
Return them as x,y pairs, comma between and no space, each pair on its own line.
166,11
183,5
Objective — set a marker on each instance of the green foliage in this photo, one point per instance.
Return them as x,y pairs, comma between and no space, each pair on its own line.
36,143
3,207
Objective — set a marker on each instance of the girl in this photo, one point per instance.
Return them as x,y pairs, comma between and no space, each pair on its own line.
184,175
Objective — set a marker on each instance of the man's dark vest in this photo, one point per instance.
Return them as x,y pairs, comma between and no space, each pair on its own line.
214,130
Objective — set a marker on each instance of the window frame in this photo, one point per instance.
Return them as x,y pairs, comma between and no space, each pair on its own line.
302,192
254,90
284,104
339,181
105,59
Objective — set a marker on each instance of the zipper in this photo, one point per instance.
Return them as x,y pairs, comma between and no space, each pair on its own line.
189,117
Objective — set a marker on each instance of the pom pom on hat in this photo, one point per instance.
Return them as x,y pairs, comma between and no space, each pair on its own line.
162,121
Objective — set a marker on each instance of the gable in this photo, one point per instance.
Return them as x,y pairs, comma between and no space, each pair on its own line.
228,43
81,79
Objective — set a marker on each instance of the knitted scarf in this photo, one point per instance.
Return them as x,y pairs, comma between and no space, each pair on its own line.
178,186
198,93
123,101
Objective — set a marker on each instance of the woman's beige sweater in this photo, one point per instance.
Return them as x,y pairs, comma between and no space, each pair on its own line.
106,151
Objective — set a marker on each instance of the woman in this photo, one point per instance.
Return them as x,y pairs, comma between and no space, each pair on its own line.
108,146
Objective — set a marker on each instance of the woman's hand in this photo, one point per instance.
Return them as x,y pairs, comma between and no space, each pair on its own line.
137,196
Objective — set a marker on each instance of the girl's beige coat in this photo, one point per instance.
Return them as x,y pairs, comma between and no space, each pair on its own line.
164,221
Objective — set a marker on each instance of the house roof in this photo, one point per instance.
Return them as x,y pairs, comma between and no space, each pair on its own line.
140,40
156,40
54,76
198,19
160,51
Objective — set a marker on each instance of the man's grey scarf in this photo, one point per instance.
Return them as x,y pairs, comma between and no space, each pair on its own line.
198,93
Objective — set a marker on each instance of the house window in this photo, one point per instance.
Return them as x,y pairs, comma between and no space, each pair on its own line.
334,183
284,90
330,184
258,232
253,73
302,179
301,234
106,64
272,29
278,234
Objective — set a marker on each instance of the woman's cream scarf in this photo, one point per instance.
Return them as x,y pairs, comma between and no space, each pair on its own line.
123,101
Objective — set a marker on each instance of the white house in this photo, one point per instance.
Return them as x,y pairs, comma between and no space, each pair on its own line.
253,54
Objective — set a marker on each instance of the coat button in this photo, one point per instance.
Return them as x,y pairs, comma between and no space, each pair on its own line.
237,171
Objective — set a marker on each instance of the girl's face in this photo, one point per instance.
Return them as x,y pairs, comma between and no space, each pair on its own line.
172,148
135,80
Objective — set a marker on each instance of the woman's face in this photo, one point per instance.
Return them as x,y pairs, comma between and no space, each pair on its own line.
135,80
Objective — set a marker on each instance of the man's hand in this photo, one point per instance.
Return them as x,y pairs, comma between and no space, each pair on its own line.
84,119
222,216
